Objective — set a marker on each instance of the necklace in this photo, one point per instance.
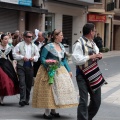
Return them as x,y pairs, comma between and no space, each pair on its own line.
56,43
3,46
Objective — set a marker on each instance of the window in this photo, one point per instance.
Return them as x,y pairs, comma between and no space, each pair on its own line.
49,22
110,6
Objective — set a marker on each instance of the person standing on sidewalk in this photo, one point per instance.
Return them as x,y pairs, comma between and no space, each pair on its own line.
98,41
25,53
85,112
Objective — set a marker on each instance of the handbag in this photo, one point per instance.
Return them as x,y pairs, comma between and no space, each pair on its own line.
93,76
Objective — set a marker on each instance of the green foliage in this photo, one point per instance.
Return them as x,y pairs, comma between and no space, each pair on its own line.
104,49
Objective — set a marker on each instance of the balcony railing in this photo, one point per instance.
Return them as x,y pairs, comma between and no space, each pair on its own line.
110,6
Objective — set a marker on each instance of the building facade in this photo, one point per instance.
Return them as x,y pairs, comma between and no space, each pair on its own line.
102,20
108,22
45,15
68,16
114,6
20,15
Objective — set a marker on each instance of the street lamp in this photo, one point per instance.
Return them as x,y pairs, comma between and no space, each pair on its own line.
110,16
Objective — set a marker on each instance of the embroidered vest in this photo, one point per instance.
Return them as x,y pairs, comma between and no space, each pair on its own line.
22,51
6,52
87,50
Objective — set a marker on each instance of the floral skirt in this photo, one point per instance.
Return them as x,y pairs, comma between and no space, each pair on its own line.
60,94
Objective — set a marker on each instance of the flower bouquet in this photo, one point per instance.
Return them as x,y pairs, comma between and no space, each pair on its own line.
52,67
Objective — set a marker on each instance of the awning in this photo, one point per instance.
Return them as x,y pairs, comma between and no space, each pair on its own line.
22,8
81,3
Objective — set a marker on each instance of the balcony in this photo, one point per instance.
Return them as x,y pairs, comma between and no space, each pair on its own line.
110,6
114,7
97,7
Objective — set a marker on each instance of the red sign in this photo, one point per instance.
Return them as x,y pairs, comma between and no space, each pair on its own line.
96,18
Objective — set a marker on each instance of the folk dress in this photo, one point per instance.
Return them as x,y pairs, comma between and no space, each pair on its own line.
60,94
9,84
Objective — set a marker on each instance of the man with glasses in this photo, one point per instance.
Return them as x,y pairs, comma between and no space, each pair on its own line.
85,52
25,53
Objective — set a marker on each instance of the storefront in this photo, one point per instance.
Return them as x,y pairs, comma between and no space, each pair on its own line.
20,15
66,17
103,27
8,20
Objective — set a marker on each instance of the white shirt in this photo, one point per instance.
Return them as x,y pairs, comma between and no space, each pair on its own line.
40,45
28,50
77,57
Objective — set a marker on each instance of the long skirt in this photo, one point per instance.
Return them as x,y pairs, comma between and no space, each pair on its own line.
9,84
60,94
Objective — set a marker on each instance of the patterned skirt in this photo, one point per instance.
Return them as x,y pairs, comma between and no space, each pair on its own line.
60,94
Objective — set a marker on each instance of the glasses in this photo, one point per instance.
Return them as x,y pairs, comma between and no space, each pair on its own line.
29,36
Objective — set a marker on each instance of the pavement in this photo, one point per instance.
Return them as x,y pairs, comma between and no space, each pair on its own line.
111,54
109,109
110,94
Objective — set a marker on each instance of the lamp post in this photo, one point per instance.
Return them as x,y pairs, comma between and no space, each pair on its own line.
110,16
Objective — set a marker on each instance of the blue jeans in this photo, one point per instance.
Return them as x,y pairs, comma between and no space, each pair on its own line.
85,111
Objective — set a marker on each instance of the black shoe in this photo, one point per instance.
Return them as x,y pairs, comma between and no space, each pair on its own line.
47,116
106,83
21,103
1,104
55,115
26,103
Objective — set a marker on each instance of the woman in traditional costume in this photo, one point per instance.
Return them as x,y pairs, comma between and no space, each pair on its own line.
61,93
9,84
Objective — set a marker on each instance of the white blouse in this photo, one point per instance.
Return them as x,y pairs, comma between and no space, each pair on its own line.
77,57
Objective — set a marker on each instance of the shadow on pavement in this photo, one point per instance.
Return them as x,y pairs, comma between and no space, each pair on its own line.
63,117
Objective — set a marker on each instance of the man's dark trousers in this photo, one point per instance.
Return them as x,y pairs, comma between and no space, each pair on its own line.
25,75
85,111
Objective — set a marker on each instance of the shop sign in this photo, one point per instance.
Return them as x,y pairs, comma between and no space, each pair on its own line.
19,2
25,2
96,18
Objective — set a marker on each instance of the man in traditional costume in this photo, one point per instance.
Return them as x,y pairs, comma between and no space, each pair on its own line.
85,52
25,52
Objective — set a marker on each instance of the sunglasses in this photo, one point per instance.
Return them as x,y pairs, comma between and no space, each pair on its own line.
29,36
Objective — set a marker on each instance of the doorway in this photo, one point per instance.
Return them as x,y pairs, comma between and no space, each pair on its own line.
67,31
106,35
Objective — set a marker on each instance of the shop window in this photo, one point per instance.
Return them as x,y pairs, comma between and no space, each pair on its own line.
49,22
